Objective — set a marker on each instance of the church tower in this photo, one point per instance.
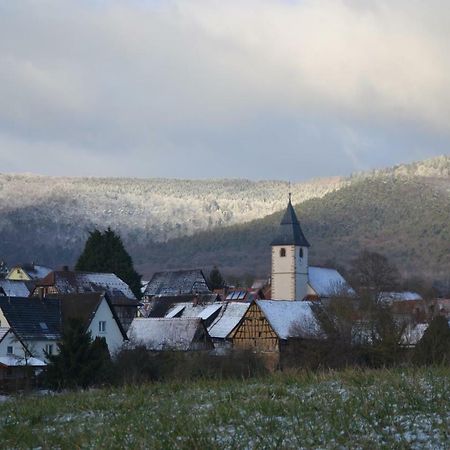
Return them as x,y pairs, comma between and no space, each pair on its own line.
289,259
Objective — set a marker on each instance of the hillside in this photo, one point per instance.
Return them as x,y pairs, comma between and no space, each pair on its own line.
403,211
47,219
408,219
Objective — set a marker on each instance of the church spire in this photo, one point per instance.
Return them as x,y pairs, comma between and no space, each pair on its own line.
290,231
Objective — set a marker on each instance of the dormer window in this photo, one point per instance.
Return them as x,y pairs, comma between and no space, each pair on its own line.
300,253
282,252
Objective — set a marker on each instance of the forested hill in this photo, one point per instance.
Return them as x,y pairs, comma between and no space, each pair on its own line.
402,210
405,218
47,219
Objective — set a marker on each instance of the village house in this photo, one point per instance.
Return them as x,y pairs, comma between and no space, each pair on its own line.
97,314
66,281
268,325
219,318
36,322
39,323
27,272
180,334
17,365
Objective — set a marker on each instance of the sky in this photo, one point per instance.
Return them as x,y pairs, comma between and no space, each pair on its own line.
260,89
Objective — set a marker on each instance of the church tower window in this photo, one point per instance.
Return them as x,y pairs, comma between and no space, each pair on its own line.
282,252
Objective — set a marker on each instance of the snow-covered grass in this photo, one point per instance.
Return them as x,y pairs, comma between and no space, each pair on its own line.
349,409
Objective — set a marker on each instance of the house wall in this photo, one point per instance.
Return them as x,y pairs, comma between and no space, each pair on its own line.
255,333
11,340
37,347
3,322
17,274
112,333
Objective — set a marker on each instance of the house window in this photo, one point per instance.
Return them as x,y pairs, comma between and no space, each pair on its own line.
49,349
282,252
9,350
102,326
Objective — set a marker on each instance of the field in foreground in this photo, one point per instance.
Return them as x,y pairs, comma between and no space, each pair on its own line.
349,409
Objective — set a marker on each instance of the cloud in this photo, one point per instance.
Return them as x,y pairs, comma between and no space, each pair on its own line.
147,85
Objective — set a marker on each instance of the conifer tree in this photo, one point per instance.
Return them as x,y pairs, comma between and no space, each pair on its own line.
105,252
79,361
434,347
215,279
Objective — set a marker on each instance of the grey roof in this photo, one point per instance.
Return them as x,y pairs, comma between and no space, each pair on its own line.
33,318
178,282
289,232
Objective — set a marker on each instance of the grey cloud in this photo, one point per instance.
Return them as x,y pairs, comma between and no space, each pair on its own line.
212,88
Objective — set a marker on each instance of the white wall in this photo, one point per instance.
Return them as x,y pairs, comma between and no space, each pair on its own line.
283,273
11,340
289,273
112,334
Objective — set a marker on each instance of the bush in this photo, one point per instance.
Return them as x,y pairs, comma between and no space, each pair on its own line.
434,347
139,365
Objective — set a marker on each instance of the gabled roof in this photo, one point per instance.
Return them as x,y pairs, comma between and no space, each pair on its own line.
73,282
84,307
178,282
33,318
167,334
13,288
291,318
229,316
327,282
289,232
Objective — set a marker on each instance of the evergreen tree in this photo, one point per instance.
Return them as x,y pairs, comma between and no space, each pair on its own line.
79,362
434,347
215,279
105,252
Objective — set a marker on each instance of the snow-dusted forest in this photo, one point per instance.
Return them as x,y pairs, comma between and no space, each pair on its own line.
48,218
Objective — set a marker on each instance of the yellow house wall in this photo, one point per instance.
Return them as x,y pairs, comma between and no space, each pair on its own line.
17,274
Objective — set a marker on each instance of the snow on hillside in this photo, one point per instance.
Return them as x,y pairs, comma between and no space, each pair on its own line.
164,208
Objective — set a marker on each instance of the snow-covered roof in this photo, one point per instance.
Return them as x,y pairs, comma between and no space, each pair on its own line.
327,282
177,282
13,288
14,361
73,282
189,309
390,297
165,334
291,318
229,316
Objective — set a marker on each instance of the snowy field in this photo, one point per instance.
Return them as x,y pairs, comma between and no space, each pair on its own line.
350,409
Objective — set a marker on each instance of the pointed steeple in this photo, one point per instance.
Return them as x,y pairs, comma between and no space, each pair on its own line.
289,231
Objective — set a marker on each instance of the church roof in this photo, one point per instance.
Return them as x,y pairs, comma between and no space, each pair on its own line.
289,232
